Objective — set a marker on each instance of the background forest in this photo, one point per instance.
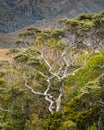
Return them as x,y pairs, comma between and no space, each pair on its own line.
16,14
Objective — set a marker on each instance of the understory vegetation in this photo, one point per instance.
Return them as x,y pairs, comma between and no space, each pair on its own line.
56,80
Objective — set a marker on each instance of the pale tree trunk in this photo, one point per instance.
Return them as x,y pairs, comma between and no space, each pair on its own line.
60,74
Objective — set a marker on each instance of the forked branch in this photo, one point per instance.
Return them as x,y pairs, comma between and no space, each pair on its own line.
61,74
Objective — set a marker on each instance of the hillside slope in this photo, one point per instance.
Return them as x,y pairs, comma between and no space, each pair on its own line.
16,14
7,41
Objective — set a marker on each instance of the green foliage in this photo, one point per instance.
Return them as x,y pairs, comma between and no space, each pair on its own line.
2,73
34,123
2,82
93,127
85,17
85,109
101,80
34,29
54,121
15,118
19,41
85,22
90,71
79,24
68,125
56,34
87,117
99,19
28,56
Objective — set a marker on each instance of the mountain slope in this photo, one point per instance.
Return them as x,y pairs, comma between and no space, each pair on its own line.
16,14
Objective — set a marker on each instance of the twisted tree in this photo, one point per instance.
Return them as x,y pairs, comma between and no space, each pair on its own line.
59,71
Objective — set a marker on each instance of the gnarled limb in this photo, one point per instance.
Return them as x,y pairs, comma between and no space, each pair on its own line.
4,110
60,74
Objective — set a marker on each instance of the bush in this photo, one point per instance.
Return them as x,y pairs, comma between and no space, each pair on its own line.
68,125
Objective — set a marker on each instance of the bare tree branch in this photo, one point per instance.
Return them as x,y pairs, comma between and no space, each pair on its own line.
60,74
4,110
26,84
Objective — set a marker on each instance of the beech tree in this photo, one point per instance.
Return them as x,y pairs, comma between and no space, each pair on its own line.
89,28
57,71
